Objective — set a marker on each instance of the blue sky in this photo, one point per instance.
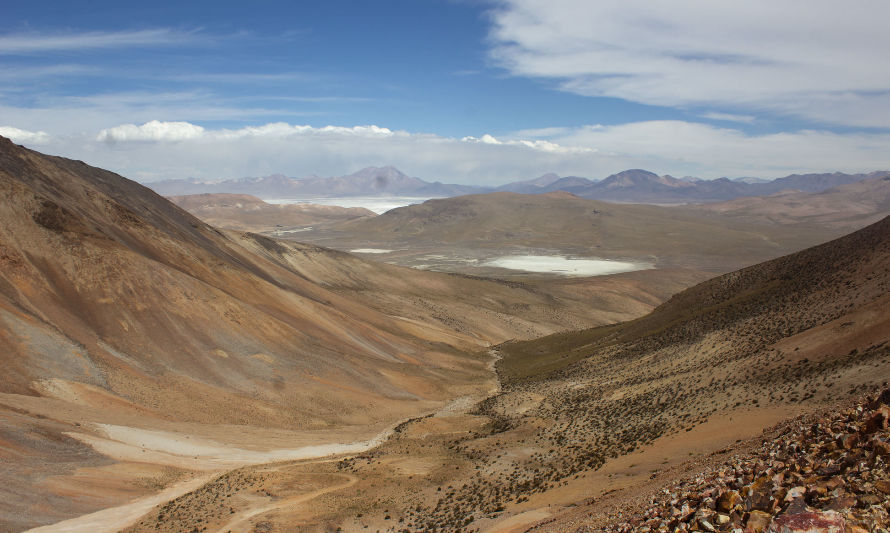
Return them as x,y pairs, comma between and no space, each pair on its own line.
462,91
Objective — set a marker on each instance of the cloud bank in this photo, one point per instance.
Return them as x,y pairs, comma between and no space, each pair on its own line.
818,60
160,150
151,131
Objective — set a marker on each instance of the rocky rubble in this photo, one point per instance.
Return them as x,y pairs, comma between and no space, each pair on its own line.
828,473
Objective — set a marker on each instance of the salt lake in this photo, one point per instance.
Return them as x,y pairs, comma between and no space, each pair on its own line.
377,204
566,266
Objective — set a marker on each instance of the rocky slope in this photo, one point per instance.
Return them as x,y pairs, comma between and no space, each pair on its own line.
798,332
829,472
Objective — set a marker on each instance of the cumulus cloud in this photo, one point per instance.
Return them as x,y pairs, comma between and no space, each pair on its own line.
819,60
158,150
158,131
24,136
151,131
542,145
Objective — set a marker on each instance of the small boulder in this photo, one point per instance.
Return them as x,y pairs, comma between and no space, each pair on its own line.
841,503
883,485
794,493
875,422
757,522
849,441
760,494
728,500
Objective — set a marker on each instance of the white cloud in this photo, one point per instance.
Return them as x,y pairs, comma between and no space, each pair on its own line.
158,150
689,148
819,59
542,145
151,131
27,43
24,136
78,115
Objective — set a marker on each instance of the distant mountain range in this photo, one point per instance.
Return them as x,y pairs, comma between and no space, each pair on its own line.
369,181
636,186
647,187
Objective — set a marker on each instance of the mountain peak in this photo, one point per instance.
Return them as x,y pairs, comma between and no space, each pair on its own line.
630,178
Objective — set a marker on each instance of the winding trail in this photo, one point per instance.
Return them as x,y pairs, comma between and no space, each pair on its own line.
225,459
241,521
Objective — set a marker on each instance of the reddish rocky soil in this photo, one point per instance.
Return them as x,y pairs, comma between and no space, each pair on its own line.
819,472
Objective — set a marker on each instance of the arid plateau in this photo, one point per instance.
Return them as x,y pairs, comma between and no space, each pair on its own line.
490,362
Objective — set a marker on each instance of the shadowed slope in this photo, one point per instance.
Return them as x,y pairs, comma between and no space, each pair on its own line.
161,309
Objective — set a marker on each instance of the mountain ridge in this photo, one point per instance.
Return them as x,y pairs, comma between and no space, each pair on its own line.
629,186
368,181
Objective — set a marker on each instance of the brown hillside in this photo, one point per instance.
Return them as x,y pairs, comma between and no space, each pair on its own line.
503,223
612,414
121,314
785,336
846,207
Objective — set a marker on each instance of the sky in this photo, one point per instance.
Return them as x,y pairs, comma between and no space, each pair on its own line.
461,91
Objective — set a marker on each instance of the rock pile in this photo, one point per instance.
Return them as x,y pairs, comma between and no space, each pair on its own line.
821,474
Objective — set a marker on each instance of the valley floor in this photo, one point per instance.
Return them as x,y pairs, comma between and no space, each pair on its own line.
383,487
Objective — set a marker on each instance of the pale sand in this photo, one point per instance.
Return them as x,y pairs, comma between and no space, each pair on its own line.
164,447
194,453
117,518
